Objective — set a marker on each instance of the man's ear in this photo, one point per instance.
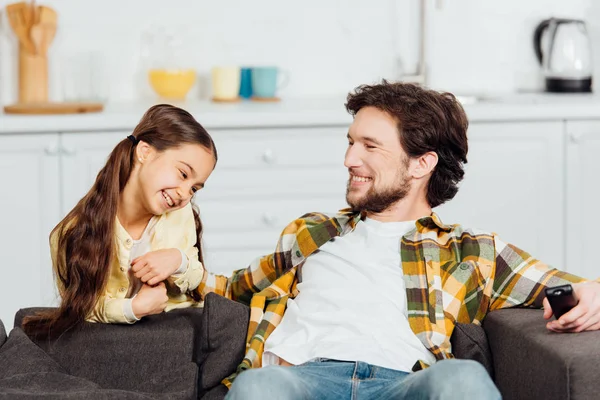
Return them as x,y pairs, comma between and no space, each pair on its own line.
424,165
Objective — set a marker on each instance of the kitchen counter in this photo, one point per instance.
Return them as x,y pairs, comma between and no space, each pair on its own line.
303,112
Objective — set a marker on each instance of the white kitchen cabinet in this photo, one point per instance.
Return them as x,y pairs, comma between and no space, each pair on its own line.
264,179
30,201
514,186
583,194
82,156
236,232
277,162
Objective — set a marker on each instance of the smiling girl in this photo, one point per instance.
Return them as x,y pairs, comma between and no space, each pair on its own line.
131,246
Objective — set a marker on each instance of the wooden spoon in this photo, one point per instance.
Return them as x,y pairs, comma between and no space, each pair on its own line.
16,13
47,15
42,36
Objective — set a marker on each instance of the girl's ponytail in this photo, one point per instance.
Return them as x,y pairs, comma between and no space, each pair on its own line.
84,245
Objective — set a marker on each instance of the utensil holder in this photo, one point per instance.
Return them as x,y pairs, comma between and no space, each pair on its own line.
33,77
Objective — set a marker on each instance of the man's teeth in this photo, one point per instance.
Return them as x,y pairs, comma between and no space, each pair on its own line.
168,199
360,178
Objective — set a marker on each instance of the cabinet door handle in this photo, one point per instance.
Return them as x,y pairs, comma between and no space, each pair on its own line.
68,151
51,150
575,137
269,157
269,219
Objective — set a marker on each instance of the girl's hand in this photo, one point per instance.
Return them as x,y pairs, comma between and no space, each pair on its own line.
150,300
156,266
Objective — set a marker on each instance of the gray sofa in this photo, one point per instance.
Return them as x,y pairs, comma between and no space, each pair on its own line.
184,354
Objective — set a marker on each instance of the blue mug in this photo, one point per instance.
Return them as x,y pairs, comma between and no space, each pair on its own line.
246,83
267,80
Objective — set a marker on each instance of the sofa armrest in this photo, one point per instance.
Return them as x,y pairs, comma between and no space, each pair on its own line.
531,362
155,354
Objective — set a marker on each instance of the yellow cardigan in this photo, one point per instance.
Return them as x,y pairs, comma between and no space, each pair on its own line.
176,229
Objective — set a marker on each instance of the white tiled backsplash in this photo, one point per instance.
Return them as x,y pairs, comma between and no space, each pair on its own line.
327,46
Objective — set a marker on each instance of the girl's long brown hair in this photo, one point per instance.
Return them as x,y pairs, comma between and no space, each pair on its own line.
85,237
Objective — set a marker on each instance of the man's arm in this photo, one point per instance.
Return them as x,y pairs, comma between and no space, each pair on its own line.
520,279
242,283
298,240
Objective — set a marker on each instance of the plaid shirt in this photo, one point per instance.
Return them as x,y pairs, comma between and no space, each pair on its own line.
451,275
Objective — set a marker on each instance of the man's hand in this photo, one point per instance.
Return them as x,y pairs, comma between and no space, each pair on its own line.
150,300
156,266
585,316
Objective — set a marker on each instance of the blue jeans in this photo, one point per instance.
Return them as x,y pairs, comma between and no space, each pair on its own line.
326,379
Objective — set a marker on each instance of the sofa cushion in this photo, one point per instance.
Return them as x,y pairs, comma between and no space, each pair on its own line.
56,385
20,355
223,339
51,385
469,341
154,355
2,334
217,393
27,371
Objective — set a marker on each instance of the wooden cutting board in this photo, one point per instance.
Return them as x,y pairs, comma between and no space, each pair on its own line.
53,108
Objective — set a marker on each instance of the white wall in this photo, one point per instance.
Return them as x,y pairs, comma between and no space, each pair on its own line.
328,46
488,45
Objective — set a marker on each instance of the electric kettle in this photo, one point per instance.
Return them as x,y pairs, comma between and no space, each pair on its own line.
562,47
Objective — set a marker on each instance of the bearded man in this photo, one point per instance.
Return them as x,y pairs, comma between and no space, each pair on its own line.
362,304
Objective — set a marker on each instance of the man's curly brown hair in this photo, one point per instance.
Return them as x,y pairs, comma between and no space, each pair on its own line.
427,121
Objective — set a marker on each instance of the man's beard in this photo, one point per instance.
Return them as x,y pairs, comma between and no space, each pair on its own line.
377,201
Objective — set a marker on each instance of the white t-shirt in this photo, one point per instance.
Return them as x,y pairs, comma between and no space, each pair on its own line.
351,304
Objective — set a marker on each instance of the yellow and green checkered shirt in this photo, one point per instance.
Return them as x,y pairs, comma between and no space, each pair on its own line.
451,274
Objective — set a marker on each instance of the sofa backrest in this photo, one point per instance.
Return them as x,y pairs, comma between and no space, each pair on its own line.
155,354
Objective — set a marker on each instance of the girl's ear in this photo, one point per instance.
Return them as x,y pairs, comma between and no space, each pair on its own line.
143,151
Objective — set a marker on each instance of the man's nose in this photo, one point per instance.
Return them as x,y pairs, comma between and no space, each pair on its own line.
352,159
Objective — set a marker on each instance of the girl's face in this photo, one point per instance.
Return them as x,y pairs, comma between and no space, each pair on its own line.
169,179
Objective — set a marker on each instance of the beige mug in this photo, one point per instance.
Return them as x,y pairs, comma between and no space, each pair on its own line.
226,83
